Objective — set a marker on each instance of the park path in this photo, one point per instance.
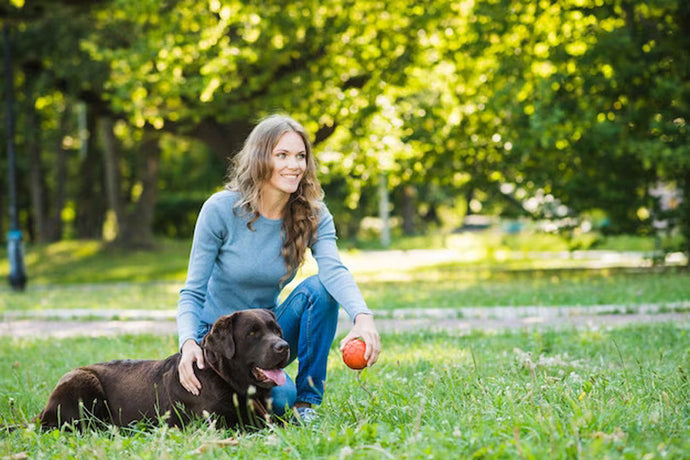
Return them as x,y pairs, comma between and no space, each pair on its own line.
94,323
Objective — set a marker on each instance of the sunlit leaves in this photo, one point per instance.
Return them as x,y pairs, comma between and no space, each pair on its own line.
421,91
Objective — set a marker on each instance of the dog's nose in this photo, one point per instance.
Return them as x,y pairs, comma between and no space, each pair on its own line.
281,346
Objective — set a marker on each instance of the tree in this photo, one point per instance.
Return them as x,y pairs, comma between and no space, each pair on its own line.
599,94
210,71
586,100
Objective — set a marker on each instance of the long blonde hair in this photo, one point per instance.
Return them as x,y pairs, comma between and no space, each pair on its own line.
251,168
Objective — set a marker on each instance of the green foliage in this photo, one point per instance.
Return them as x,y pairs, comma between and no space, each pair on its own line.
176,215
594,104
496,100
535,394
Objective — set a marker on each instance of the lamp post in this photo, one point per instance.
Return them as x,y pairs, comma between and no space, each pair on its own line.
17,277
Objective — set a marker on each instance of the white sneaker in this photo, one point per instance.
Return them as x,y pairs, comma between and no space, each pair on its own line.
305,415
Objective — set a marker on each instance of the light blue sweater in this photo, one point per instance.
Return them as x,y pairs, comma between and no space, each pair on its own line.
233,268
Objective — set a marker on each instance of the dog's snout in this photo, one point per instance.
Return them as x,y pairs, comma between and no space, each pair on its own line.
281,346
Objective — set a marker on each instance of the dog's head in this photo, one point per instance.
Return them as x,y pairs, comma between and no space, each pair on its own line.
250,348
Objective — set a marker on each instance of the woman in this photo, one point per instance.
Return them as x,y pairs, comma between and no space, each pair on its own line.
249,241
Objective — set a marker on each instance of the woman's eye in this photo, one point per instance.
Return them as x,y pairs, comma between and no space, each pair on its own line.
301,156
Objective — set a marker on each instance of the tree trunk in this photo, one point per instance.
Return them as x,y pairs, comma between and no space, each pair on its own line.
135,222
90,205
111,170
140,220
224,139
684,212
469,196
383,210
55,226
409,211
37,187
431,216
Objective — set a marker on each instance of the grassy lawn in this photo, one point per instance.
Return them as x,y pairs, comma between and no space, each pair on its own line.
77,262
453,286
74,262
439,287
581,394
89,275
621,393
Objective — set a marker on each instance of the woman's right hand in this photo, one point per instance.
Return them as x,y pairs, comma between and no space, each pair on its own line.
191,353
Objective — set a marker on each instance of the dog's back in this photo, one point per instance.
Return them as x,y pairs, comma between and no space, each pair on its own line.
116,392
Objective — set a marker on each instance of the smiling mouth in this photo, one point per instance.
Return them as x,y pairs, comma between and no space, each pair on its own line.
267,376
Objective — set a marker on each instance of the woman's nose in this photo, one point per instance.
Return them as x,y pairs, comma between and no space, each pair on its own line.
293,162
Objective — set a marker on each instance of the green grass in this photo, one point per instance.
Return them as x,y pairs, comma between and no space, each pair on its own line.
550,394
90,275
454,286
621,393
446,286
77,262
73,262
143,296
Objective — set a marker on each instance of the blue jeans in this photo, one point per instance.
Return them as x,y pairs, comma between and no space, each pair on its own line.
308,317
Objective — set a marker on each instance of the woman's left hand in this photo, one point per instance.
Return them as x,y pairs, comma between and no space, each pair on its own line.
365,329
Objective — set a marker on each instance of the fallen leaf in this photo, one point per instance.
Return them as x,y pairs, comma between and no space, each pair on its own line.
208,445
19,456
224,442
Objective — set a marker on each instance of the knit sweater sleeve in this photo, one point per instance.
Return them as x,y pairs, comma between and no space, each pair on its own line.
337,279
209,233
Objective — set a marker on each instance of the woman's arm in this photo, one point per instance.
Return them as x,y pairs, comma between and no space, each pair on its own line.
340,283
209,233
208,237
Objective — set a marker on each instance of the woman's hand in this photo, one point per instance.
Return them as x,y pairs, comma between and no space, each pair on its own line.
366,330
191,353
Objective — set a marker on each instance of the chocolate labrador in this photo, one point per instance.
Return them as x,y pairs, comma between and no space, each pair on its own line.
244,353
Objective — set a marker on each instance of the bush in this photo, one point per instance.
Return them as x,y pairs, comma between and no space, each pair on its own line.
175,215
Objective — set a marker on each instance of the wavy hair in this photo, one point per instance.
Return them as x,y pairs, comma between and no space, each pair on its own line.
251,168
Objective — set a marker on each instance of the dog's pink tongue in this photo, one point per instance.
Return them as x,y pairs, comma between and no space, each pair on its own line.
277,375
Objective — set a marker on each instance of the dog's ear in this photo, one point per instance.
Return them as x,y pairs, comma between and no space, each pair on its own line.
221,338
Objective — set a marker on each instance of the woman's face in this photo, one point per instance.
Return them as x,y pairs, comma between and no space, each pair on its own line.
289,161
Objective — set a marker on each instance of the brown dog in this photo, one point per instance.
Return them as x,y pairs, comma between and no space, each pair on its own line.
244,354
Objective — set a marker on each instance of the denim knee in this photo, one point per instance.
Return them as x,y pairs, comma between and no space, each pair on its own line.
283,397
317,291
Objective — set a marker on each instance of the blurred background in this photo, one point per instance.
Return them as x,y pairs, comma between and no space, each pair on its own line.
560,120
